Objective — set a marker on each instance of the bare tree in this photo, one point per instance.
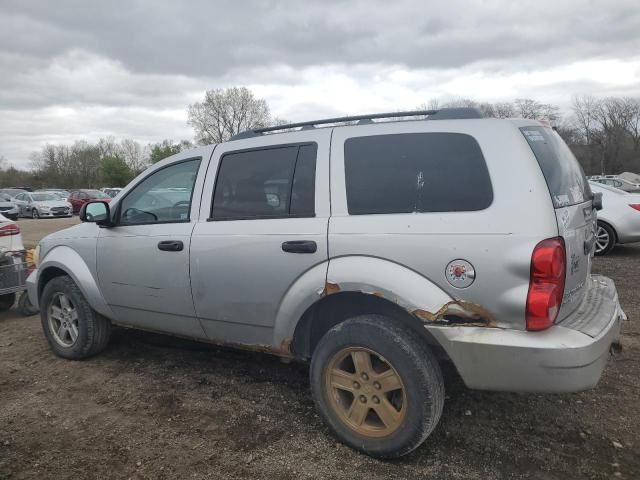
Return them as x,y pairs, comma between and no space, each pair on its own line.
633,125
584,110
529,108
504,110
133,155
613,117
227,112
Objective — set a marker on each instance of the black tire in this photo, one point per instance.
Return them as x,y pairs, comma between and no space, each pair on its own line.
34,214
93,330
7,301
413,362
25,306
605,239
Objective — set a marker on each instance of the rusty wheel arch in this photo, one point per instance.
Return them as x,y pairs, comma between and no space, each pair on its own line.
332,309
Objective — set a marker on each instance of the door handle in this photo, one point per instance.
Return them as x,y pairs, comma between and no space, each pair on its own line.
300,246
170,245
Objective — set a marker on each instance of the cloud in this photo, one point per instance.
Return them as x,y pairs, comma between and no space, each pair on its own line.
75,69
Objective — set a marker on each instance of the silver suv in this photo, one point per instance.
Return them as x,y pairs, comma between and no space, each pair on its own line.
373,246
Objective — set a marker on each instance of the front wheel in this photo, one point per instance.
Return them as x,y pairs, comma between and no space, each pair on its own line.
35,214
605,239
72,328
377,386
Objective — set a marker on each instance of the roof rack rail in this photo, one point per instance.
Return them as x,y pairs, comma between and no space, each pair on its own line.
441,114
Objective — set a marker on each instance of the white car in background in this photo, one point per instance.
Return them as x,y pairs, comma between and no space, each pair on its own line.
619,219
12,266
8,207
37,205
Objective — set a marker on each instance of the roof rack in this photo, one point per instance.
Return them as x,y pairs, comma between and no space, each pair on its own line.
441,114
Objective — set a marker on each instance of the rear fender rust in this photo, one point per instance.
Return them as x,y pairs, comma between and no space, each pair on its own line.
458,313
329,289
453,313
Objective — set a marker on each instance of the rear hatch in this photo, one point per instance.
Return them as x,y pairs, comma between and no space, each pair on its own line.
572,200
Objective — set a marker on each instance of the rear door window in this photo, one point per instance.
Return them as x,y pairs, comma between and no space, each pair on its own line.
415,172
277,182
565,178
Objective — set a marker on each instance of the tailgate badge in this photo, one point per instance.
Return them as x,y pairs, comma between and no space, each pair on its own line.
460,273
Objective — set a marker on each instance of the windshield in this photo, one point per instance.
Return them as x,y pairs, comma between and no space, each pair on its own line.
565,178
43,197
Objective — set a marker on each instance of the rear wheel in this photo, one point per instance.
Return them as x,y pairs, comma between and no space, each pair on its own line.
605,239
72,328
377,386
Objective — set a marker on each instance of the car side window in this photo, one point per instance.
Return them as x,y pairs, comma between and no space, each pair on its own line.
415,172
162,197
275,182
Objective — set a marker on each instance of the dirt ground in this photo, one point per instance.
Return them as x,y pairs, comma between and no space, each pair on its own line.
153,407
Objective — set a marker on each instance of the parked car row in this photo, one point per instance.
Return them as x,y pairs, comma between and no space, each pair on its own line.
626,181
16,202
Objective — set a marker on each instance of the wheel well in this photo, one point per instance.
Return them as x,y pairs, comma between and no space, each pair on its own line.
333,309
615,233
48,275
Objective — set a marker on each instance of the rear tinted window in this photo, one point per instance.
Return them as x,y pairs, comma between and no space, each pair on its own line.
268,183
415,172
565,178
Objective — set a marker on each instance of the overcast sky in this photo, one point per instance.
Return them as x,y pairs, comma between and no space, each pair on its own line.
85,69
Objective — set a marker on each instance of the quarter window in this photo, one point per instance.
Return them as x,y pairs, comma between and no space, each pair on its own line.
275,182
162,197
415,172
565,178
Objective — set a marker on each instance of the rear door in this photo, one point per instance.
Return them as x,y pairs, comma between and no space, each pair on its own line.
572,200
267,202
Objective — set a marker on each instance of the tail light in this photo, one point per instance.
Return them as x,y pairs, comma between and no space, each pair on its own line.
635,206
546,284
8,230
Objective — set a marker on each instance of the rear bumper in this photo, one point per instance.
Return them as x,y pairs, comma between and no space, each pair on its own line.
559,359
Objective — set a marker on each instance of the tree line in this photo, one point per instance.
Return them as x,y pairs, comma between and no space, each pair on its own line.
604,134
106,163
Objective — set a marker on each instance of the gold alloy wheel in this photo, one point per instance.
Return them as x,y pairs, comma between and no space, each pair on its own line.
365,391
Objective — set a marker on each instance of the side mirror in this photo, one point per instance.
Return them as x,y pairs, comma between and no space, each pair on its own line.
597,200
96,212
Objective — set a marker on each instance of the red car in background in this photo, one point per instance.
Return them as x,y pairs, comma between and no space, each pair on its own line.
78,198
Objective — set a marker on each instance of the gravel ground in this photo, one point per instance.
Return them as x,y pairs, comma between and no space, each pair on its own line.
155,407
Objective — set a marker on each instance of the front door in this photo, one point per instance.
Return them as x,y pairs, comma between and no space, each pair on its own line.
267,229
143,262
